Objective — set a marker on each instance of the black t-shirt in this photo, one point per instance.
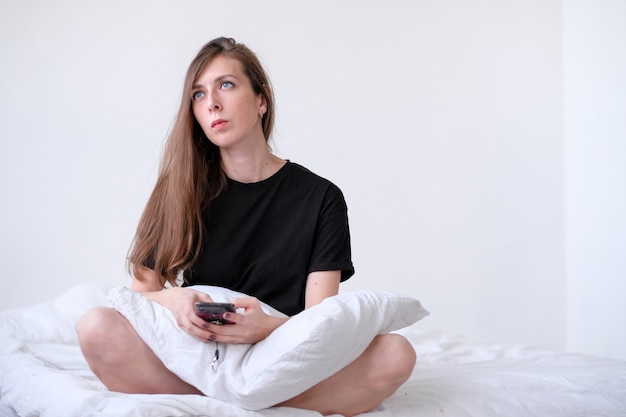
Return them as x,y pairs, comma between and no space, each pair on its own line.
264,238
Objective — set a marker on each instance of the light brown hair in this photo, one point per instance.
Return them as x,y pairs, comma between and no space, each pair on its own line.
171,228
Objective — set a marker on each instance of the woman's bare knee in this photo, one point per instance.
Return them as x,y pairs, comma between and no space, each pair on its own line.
385,365
99,331
121,359
397,361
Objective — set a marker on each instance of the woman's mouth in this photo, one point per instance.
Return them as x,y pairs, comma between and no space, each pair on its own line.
218,124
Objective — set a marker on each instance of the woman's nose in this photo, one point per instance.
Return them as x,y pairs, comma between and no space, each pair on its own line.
213,103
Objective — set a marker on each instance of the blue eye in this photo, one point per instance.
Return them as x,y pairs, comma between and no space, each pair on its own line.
227,85
197,95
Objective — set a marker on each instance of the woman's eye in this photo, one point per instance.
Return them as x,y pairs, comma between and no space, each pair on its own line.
197,95
226,85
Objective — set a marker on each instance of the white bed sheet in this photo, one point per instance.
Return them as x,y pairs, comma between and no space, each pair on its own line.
42,373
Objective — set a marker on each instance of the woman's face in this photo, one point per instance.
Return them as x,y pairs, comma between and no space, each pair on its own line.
225,105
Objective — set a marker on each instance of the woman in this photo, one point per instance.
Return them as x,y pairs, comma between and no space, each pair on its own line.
226,211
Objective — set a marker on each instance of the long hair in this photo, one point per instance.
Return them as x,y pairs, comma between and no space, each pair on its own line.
171,228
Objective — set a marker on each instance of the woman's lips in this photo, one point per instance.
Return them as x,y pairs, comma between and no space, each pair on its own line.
218,124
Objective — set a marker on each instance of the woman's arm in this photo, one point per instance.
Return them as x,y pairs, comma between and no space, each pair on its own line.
253,325
147,281
319,285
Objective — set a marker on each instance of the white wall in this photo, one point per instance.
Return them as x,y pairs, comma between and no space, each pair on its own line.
441,121
595,87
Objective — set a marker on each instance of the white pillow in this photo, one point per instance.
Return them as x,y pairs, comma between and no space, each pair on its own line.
305,350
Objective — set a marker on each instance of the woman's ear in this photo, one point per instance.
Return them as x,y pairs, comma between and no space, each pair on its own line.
263,103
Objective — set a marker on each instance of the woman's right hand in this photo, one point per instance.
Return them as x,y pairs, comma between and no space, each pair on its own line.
180,301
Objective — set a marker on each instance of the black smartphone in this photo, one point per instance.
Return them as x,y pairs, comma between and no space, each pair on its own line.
214,312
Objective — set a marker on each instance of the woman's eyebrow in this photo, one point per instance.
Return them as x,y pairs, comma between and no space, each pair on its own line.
216,80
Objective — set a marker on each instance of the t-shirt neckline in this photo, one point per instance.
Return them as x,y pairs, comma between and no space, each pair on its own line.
269,180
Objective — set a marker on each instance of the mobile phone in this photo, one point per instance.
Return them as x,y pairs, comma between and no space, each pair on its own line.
214,312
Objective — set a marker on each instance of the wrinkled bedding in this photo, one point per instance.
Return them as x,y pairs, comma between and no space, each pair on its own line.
42,373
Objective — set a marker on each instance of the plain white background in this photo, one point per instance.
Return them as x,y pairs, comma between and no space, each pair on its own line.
480,146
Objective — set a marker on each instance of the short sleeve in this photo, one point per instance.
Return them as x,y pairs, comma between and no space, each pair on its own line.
331,248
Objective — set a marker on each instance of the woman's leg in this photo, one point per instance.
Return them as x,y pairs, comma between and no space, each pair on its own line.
124,363
121,359
385,365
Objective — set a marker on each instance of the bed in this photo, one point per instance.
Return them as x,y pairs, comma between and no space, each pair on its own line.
42,373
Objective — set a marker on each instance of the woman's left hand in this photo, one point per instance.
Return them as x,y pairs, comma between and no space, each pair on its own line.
251,325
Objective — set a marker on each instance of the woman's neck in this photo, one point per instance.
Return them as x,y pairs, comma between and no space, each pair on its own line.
250,167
